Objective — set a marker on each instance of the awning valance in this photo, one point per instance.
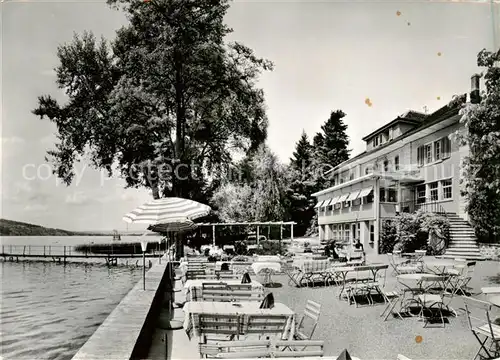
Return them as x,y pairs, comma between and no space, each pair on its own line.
365,192
353,195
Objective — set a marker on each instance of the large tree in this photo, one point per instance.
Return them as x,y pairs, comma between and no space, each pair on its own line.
302,185
330,146
167,103
481,168
259,195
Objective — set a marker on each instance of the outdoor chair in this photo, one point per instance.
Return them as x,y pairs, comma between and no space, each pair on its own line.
264,325
432,300
483,327
230,295
361,286
460,276
217,326
298,348
232,349
391,298
307,324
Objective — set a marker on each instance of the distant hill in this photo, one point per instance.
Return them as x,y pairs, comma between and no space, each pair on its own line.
17,228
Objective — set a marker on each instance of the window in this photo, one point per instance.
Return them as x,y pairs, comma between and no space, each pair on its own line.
447,189
358,235
375,141
380,139
382,195
392,195
346,232
433,190
386,165
372,234
356,202
428,153
396,163
420,194
437,150
369,198
351,176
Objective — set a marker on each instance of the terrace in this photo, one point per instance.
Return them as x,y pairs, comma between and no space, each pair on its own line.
361,330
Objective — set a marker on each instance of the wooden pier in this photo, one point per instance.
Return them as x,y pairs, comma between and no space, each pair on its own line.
13,253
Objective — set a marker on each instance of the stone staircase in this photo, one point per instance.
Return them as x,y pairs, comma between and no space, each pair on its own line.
463,242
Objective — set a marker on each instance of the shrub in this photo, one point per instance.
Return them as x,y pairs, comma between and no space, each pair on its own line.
388,237
417,231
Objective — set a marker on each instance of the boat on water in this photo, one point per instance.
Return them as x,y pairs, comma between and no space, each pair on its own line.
116,236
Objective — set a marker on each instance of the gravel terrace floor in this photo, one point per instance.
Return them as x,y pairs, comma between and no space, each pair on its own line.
364,333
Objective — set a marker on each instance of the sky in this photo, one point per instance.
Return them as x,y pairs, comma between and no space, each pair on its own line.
328,55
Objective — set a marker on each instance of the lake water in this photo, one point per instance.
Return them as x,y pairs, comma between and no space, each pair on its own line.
48,310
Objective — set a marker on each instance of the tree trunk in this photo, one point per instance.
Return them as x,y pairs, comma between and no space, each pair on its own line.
180,113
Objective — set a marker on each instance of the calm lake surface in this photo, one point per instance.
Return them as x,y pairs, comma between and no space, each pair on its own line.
48,310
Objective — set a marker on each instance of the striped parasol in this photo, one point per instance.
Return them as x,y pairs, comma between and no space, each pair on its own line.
167,210
178,226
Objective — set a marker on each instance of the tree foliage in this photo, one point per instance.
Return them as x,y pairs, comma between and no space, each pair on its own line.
258,197
481,168
166,102
330,146
302,185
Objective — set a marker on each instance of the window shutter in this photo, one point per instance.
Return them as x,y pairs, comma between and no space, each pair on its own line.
446,147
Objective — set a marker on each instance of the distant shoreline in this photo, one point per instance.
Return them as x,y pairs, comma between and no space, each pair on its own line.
17,228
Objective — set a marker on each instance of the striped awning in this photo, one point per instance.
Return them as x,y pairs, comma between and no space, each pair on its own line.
365,192
319,204
353,195
334,200
343,198
167,210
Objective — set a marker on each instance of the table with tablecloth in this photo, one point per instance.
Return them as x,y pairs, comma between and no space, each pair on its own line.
194,287
267,258
309,270
193,310
267,268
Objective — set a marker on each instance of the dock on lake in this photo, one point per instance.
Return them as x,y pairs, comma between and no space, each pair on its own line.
61,253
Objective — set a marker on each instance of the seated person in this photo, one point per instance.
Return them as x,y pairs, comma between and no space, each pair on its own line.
358,245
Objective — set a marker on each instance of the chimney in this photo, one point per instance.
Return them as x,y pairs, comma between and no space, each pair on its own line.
475,97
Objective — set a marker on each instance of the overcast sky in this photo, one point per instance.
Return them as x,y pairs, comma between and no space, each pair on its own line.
328,55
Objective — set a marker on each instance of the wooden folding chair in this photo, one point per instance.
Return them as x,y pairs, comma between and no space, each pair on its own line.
290,348
391,298
227,326
264,325
483,327
362,285
232,349
309,319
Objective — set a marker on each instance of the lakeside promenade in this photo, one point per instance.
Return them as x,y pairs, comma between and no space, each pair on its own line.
127,331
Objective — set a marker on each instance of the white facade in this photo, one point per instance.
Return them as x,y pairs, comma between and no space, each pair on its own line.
410,163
